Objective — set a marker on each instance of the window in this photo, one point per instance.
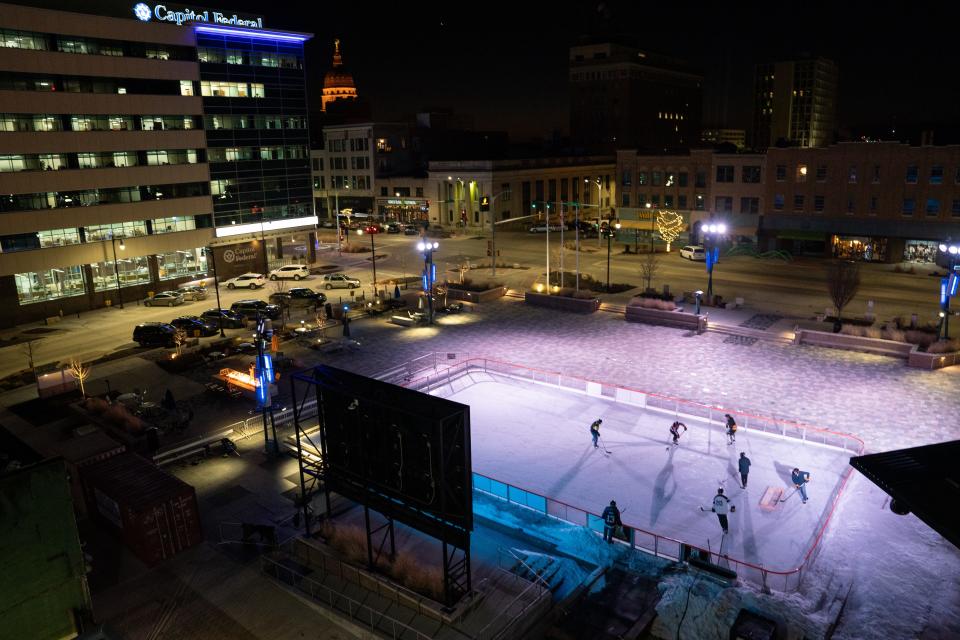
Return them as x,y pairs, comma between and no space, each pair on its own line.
22,40
700,180
682,201
936,174
852,174
723,204
909,204
801,173
778,202
671,179
933,207
178,264
641,199
667,201
818,203
876,174
186,88
749,205
955,208
655,200
229,89
132,271
505,195
781,172
626,179
850,204
821,173
751,174
626,200
911,174
682,178
699,202
58,237
174,224
798,202
873,205
35,286
656,178
725,173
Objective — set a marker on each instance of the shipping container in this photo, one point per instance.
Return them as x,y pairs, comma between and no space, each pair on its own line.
155,513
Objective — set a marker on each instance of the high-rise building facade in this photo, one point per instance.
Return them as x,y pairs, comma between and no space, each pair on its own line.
111,130
623,97
795,102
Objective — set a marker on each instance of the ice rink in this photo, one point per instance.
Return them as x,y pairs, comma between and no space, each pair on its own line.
536,437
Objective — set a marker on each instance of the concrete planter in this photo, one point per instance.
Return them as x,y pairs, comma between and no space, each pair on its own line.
475,296
924,360
876,346
678,319
562,303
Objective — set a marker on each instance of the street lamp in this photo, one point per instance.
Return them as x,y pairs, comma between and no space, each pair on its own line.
649,210
598,184
216,287
948,285
373,250
493,233
429,272
611,231
336,206
712,233
116,265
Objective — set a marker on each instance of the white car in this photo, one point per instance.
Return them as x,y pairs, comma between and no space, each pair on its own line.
248,280
691,252
339,281
295,271
542,227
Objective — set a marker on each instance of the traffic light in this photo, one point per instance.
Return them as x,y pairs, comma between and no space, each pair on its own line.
484,203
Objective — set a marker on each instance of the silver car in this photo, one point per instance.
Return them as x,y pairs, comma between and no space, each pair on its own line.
339,281
164,299
193,292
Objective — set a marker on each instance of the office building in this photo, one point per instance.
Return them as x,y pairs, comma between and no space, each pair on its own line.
795,103
111,131
622,97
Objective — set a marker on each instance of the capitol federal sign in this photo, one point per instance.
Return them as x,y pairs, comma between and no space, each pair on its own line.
145,13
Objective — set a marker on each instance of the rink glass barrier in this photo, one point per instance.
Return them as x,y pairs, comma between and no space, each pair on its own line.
438,373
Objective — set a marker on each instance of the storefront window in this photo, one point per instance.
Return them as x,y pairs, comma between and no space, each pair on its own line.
58,237
860,248
100,232
920,251
178,264
133,271
36,286
176,223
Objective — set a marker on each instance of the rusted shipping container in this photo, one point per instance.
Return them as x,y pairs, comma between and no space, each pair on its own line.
155,513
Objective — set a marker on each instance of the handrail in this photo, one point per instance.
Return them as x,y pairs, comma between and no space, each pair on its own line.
540,593
529,569
334,596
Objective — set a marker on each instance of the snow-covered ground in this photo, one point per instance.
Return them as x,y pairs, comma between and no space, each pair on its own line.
536,437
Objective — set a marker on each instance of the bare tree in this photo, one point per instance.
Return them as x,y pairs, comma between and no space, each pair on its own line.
27,350
843,281
80,372
180,338
649,265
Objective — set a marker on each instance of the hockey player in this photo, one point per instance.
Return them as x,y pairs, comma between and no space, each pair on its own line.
800,480
595,431
731,429
744,464
721,505
675,431
611,520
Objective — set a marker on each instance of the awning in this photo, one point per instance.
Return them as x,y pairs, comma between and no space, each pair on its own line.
799,234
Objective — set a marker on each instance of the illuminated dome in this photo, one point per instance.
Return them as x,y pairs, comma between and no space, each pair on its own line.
337,83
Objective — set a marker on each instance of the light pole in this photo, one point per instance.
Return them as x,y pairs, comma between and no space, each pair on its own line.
576,223
493,233
546,218
429,272
948,285
116,265
216,287
712,232
610,234
336,206
598,184
373,250
650,211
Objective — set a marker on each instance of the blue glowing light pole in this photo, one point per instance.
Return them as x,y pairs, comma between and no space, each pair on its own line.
429,272
948,286
712,233
264,377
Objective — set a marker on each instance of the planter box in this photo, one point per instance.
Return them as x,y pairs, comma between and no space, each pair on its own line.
678,319
562,303
875,346
924,360
475,296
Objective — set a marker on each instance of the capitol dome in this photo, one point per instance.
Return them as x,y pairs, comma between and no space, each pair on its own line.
337,83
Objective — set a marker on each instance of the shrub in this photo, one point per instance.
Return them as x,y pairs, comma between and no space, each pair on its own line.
944,346
872,332
96,406
412,574
354,248
922,338
852,330
469,285
653,303
895,334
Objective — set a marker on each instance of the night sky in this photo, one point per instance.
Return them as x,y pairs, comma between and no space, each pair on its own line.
505,64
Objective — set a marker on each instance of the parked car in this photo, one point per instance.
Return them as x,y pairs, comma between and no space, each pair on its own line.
295,271
164,299
231,320
193,292
393,227
250,308
194,326
154,334
371,228
298,297
339,281
249,280
328,224
411,230
691,252
542,227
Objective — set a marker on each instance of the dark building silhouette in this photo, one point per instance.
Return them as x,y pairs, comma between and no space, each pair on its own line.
795,103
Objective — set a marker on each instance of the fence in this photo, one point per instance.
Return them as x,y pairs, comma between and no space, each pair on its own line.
442,375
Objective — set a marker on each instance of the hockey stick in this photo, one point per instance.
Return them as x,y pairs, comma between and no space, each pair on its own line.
604,445
789,496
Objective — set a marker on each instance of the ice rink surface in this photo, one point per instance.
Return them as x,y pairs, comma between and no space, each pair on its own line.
536,437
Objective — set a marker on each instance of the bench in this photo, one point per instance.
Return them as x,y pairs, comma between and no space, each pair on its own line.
403,321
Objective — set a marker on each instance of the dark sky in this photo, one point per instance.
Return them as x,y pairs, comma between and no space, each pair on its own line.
505,64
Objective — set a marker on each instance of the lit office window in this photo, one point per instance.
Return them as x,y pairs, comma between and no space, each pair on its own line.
37,286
